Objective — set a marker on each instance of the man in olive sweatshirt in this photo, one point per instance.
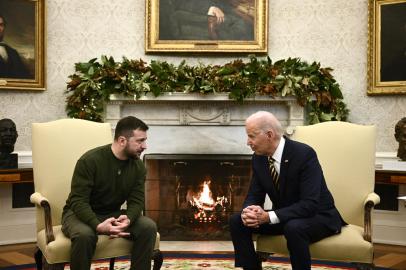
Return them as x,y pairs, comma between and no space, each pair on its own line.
104,178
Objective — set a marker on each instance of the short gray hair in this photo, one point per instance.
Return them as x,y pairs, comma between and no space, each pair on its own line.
267,121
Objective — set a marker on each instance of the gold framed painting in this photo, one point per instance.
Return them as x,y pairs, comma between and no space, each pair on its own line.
207,26
22,44
387,47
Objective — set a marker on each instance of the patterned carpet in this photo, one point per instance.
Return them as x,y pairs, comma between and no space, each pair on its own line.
21,255
176,261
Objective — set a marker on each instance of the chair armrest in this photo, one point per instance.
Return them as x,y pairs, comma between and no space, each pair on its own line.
372,197
369,203
37,198
43,202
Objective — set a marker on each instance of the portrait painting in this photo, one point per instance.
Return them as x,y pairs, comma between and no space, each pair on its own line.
387,47
206,26
22,44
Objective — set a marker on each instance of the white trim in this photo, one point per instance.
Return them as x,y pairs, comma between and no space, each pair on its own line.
24,159
389,161
14,232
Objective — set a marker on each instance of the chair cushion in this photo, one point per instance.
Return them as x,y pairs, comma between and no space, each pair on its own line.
348,246
58,251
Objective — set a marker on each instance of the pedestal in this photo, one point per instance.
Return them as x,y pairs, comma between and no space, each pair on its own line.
8,161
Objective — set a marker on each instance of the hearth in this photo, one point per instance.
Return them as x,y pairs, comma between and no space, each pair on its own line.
191,197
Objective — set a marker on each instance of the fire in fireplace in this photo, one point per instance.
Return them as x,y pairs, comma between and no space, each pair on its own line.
191,197
201,207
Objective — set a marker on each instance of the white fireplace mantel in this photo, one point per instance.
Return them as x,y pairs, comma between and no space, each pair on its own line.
201,109
185,123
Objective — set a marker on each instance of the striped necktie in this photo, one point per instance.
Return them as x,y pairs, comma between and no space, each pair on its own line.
273,172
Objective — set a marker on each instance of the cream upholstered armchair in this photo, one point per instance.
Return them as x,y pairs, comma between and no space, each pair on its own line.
347,155
56,146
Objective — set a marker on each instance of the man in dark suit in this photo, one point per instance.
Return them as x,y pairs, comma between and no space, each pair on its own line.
302,206
11,65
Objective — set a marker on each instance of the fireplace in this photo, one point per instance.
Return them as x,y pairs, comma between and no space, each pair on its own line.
197,158
191,197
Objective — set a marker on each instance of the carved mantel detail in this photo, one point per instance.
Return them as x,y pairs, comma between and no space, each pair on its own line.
202,110
204,114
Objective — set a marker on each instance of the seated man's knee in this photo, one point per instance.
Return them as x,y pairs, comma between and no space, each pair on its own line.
144,225
293,227
150,225
235,221
85,234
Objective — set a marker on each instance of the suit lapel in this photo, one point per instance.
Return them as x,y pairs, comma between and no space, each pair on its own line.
285,162
267,180
270,188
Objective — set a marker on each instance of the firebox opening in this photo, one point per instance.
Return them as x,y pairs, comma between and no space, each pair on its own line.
191,197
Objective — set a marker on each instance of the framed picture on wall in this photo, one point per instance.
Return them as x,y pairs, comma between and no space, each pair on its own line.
22,48
239,26
387,47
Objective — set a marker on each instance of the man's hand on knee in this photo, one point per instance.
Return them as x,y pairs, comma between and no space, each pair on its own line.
114,227
120,226
249,216
106,226
123,222
253,216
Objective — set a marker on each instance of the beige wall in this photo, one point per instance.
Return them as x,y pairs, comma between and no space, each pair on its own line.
333,32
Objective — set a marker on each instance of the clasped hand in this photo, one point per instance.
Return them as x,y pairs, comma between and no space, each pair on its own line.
114,227
253,216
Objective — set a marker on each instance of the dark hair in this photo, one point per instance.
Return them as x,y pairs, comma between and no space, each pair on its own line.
398,127
127,125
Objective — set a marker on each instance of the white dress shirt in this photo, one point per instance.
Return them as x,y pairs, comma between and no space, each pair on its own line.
277,157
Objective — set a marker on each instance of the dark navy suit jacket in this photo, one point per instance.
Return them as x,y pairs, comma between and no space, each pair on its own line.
303,191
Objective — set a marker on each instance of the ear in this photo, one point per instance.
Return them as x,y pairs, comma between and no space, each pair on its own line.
270,134
121,140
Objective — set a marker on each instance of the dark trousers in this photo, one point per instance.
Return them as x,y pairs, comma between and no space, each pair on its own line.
299,233
142,233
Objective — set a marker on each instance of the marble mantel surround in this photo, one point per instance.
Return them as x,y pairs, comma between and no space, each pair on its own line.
200,124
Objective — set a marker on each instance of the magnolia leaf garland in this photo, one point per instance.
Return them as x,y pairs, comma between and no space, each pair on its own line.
314,87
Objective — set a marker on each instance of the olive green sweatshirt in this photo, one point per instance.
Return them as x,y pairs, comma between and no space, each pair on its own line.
101,183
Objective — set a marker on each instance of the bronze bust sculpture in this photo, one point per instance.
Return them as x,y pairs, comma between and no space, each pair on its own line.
400,135
8,137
